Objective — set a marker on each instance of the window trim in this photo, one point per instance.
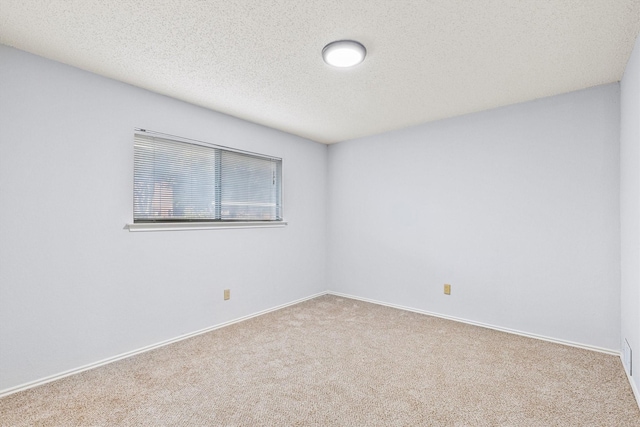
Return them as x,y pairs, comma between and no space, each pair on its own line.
144,226
212,225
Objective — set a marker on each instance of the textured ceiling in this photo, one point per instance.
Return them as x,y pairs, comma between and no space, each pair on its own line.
260,60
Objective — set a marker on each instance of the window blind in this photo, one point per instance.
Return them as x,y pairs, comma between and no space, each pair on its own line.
178,180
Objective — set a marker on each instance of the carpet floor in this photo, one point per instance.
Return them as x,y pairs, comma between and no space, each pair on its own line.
334,361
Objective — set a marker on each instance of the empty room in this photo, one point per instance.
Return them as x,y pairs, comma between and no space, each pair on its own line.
323,213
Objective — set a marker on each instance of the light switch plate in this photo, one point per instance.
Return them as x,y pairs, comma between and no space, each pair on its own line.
627,356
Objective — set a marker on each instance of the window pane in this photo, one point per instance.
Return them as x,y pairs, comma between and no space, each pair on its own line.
173,180
249,188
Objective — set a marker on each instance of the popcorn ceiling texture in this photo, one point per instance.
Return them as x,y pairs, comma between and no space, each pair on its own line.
334,361
260,60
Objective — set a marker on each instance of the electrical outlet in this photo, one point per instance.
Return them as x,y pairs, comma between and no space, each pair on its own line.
227,294
447,289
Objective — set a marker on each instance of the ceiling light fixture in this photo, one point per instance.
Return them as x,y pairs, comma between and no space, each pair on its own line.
344,53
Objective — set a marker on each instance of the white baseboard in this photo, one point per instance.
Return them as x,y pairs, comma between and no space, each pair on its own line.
103,362
483,325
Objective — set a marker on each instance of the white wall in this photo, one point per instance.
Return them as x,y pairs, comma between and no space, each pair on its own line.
517,208
75,287
630,205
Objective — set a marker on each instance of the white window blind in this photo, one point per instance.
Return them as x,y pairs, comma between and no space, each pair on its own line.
177,180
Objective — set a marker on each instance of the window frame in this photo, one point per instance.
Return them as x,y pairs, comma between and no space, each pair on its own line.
218,223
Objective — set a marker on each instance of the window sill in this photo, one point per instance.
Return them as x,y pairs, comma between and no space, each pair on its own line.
166,226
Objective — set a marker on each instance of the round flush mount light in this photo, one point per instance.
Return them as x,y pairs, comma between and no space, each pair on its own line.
344,53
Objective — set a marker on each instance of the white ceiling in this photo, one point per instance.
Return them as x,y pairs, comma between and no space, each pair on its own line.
260,60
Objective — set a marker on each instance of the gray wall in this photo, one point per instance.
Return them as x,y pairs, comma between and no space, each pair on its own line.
630,206
75,287
517,208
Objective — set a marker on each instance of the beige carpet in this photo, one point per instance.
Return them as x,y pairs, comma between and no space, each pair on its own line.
333,361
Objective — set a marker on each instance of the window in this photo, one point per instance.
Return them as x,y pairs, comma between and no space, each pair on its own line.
179,180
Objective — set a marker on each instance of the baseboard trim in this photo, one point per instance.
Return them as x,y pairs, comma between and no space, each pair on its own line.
103,362
121,356
483,325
